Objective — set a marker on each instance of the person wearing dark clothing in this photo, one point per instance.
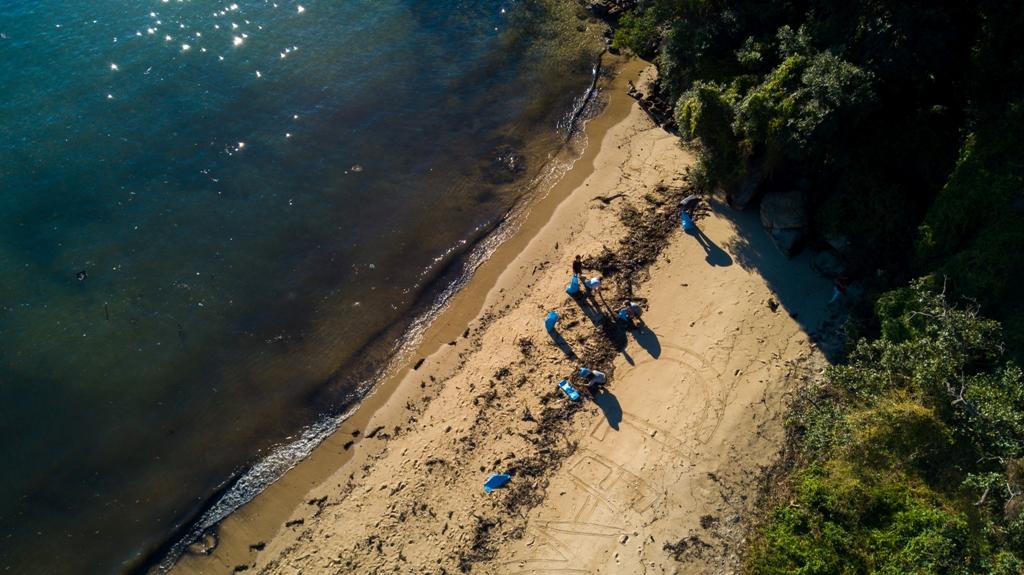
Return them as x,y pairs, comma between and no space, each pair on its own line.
577,266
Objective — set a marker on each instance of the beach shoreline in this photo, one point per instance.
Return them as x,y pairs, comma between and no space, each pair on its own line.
263,515
397,486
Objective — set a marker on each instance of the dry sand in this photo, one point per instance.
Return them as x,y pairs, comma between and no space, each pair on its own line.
658,475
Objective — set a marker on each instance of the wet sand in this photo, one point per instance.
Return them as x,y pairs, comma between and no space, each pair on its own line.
655,475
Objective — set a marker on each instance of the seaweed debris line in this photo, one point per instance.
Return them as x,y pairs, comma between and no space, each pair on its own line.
649,470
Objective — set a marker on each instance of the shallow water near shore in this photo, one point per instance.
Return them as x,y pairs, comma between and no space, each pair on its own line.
217,221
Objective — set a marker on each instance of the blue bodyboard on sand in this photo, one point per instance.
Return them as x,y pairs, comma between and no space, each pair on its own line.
569,390
496,481
687,221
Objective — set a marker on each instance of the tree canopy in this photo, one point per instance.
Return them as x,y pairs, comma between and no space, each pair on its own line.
902,124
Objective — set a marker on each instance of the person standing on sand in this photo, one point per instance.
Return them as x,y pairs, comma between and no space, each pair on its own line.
577,266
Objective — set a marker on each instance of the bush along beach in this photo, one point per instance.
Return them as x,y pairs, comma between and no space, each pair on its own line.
890,135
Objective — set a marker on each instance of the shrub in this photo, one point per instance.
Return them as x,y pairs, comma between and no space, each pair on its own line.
973,235
638,32
899,432
796,112
704,116
841,522
911,452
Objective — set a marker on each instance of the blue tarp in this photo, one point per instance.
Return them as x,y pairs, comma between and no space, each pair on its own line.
496,481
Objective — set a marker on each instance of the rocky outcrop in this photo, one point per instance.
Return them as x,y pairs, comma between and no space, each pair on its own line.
784,215
654,101
838,242
783,210
609,10
744,192
828,265
648,92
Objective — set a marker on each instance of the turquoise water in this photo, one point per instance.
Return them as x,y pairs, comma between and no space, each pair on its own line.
215,221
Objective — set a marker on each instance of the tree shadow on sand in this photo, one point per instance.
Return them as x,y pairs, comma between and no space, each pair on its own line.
802,292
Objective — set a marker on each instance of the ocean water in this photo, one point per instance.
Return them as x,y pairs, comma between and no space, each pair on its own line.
217,220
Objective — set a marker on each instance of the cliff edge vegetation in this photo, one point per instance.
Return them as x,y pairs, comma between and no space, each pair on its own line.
897,126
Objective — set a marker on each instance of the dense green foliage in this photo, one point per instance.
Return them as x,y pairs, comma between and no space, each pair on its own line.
912,452
902,123
973,232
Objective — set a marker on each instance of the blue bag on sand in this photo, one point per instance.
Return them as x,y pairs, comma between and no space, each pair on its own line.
687,221
574,285
551,320
496,481
569,390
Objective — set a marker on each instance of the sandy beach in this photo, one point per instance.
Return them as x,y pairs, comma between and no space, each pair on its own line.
656,475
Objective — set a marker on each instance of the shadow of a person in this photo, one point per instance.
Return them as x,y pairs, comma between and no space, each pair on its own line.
609,405
562,344
714,255
616,335
595,298
592,312
648,340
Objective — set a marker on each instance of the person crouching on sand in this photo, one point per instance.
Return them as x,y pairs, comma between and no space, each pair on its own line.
596,380
630,313
593,286
689,204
